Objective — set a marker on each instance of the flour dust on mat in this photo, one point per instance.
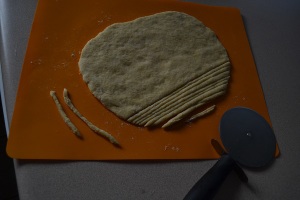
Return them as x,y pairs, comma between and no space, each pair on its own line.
155,68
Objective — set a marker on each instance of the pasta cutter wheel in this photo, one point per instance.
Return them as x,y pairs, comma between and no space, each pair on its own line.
249,141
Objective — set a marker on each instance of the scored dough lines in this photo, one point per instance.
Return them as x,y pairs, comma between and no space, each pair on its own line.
188,89
202,96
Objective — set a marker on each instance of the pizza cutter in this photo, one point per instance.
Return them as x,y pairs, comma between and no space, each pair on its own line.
249,141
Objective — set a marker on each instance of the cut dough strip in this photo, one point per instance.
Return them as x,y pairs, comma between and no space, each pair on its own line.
202,113
178,118
85,120
64,115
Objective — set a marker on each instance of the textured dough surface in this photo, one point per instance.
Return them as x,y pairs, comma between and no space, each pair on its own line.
132,65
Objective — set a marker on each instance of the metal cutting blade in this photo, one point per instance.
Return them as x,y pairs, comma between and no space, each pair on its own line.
247,137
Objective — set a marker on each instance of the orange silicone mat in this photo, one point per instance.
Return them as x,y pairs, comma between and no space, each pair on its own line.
59,32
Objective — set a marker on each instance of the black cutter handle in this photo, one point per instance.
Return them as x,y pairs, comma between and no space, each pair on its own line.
208,185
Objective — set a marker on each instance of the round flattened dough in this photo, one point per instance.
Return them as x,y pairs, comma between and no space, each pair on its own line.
131,65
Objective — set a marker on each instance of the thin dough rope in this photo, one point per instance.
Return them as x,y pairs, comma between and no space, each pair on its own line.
198,115
202,113
85,120
64,115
